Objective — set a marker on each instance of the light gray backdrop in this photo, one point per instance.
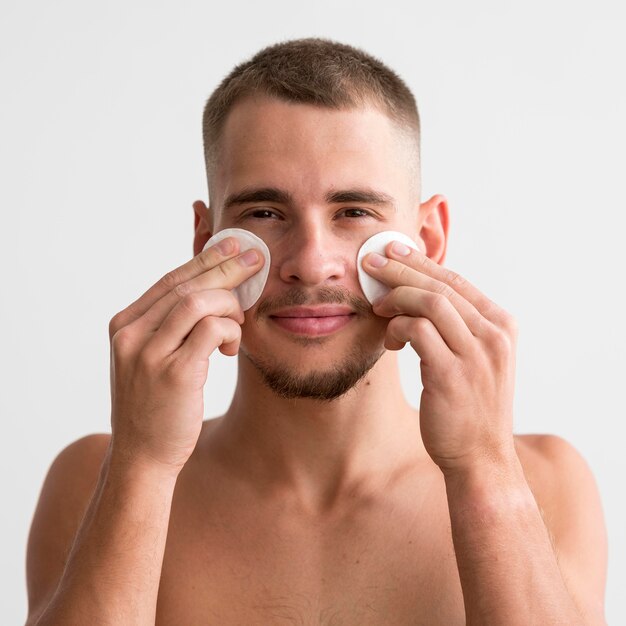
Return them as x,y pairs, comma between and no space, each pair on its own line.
522,107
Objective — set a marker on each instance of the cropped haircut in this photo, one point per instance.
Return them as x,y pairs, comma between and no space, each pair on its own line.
318,72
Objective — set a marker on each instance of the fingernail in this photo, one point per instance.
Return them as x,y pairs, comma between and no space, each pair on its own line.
225,246
376,260
400,248
249,258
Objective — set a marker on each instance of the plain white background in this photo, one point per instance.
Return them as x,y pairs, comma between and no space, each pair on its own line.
522,108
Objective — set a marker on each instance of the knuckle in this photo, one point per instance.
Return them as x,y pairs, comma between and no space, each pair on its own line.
223,269
229,298
235,334
193,302
493,311
504,320
444,289
176,370
170,280
499,341
422,260
452,278
212,324
182,289
115,323
394,328
404,273
123,318
391,305
206,259
236,305
122,341
419,325
147,359
436,302
404,291
510,324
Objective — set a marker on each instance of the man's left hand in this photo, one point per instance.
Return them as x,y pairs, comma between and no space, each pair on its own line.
467,346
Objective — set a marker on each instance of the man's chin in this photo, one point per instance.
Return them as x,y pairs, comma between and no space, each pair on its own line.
288,379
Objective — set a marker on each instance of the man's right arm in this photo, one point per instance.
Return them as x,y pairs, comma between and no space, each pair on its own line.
111,574
160,350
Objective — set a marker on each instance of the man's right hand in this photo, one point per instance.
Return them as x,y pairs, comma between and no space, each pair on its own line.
160,348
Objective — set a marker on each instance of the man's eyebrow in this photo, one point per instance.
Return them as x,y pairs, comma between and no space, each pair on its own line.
366,196
273,194
257,194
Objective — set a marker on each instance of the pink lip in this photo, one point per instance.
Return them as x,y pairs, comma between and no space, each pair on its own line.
312,321
313,325
317,311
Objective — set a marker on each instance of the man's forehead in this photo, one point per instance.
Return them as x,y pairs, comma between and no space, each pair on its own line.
275,122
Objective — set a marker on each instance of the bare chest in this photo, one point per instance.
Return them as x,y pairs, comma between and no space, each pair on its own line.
254,565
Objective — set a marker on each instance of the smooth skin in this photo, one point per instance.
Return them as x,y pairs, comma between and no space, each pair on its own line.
160,349
161,346
357,511
467,345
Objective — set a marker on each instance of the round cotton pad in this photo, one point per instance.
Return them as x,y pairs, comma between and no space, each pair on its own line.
250,290
372,288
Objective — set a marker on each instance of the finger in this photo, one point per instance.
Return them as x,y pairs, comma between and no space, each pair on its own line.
203,262
420,262
423,337
395,274
415,302
210,333
226,275
181,320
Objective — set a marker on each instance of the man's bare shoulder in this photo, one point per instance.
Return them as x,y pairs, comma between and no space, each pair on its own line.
569,500
77,466
72,476
560,478
63,500
553,466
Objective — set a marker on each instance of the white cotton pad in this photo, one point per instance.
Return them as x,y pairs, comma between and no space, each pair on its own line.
250,290
372,288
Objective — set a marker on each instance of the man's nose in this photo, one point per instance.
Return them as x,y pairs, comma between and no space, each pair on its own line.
313,256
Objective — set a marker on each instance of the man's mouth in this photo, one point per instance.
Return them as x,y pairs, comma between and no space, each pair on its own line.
314,321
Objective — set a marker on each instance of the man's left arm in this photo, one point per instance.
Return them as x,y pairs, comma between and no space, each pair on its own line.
530,559
514,568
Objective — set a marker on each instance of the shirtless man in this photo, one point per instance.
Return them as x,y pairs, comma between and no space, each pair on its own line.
321,496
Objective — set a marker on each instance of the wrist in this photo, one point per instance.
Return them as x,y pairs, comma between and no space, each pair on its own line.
121,463
498,461
489,484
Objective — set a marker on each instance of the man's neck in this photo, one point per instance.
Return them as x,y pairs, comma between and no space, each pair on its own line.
317,452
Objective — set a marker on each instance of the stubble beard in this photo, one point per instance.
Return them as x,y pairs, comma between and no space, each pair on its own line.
325,385
352,365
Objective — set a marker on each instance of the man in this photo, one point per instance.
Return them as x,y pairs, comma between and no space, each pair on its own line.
321,496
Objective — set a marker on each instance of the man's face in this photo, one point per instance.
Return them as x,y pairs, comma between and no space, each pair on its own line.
307,173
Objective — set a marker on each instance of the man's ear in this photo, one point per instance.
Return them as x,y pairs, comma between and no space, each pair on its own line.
433,223
202,224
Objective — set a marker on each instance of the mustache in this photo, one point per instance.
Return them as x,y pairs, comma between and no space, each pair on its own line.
325,295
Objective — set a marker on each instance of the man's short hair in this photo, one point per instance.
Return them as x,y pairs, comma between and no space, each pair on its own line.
313,71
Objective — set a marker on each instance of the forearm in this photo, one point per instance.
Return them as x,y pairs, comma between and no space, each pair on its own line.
507,565
113,570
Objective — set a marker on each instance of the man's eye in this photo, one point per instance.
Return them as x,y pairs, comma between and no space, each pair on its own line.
361,211
261,213
265,213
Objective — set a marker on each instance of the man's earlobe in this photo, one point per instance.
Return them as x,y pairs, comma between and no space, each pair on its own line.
202,225
434,223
